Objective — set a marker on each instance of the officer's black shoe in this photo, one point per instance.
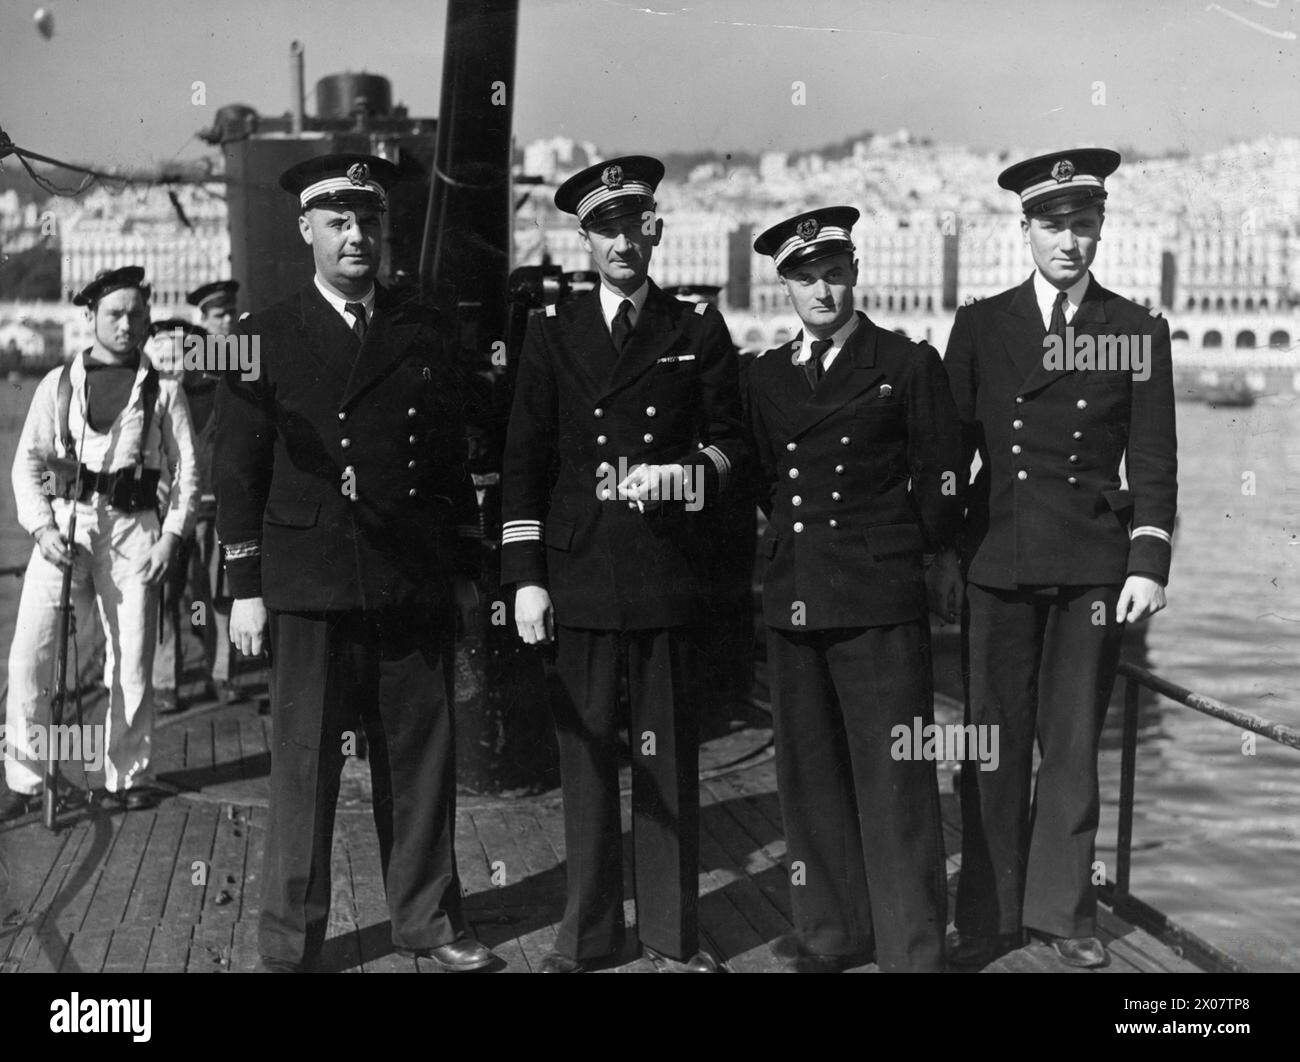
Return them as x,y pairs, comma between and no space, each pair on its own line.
12,804
139,798
700,962
977,950
797,957
460,956
1084,952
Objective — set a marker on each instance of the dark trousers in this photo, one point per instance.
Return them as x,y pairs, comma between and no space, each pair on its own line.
659,668
192,579
1040,663
863,832
388,671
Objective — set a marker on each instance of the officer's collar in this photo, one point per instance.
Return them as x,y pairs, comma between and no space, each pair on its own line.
339,302
838,340
611,300
1045,293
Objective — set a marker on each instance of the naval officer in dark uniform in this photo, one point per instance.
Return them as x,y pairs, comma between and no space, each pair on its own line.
341,488
1059,555
632,394
856,434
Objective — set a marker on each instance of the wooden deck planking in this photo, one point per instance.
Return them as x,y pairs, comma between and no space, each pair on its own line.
128,950
125,863
157,871
113,890
185,896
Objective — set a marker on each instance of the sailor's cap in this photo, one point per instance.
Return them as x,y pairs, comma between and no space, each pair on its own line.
217,291
1062,181
107,280
611,189
808,236
346,179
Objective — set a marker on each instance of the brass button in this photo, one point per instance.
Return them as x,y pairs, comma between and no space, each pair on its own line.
411,412
798,528
1015,449
1082,403
412,439
604,467
844,440
1074,459
1076,435
1022,474
792,447
796,500
835,523
342,415
649,411
1072,481
1019,399
349,471
839,470
601,440
598,412
604,494
1017,424
410,464
794,473
835,495
345,443
411,492
648,437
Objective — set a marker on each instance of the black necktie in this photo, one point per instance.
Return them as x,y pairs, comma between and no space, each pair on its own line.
1057,325
358,312
621,327
819,348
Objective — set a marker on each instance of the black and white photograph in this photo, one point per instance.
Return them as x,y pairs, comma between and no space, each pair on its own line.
617,486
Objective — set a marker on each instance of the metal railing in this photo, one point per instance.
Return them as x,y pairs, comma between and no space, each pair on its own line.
1117,894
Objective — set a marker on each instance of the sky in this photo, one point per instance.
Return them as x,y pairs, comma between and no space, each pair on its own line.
114,86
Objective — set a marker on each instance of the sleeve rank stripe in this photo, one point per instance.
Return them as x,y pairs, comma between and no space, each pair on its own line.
1154,532
720,461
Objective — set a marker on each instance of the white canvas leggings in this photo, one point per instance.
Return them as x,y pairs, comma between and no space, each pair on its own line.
108,570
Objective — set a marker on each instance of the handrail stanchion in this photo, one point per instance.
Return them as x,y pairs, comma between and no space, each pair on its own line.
1127,780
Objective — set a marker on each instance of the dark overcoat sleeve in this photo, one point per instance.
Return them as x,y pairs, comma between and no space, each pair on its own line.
934,449
242,464
1152,462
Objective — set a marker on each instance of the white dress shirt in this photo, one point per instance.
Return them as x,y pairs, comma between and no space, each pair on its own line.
838,340
1045,291
338,302
611,300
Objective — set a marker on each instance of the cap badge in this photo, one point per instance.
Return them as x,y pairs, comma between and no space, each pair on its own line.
886,390
1063,171
358,173
611,176
807,229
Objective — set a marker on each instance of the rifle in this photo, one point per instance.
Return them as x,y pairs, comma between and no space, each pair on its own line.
60,684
